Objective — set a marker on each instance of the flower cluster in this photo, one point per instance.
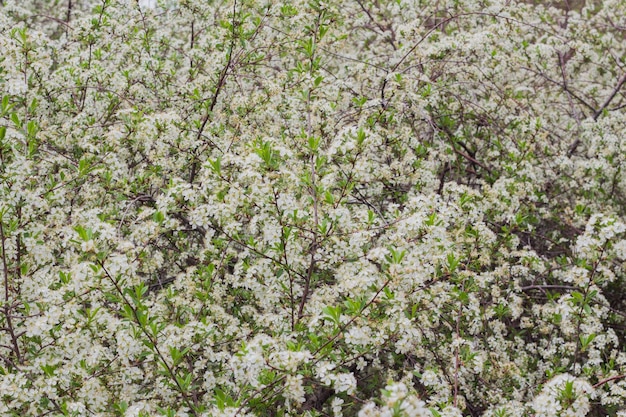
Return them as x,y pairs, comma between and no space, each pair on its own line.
312,208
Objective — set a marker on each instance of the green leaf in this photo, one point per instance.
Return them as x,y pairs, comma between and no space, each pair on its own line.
216,165
121,407
158,217
360,136
222,400
84,234
5,107
84,166
314,143
268,155
16,120
359,101
329,198
184,382
396,256
434,412
453,263
333,314
585,341
354,307
65,277
33,105
49,369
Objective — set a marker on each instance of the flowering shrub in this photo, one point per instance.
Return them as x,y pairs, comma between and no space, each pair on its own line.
259,208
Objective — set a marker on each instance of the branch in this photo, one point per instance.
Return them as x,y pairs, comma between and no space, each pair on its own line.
152,338
68,15
7,308
218,88
564,86
611,97
547,287
604,381
598,112
453,142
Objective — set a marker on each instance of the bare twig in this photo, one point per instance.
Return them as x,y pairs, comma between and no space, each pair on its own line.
610,98
68,15
598,112
548,287
152,338
218,88
604,381
7,308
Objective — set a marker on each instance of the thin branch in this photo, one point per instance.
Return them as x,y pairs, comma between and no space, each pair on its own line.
604,381
619,85
547,287
218,89
457,362
458,16
152,338
68,15
7,308
313,187
565,87
598,112
59,21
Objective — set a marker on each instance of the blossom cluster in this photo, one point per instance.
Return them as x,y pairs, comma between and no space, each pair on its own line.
312,208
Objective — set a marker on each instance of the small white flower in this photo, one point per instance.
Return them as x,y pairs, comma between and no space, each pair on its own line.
345,382
88,246
336,406
294,390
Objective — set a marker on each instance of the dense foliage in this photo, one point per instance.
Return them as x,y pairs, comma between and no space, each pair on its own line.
323,208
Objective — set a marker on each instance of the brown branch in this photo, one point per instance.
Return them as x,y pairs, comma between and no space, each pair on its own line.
216,93
604,381
59,21
7,309
68,15
598,112
460,15
307,281
151,338
454,142
610,98
352,320
565,87
457,362
547,287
